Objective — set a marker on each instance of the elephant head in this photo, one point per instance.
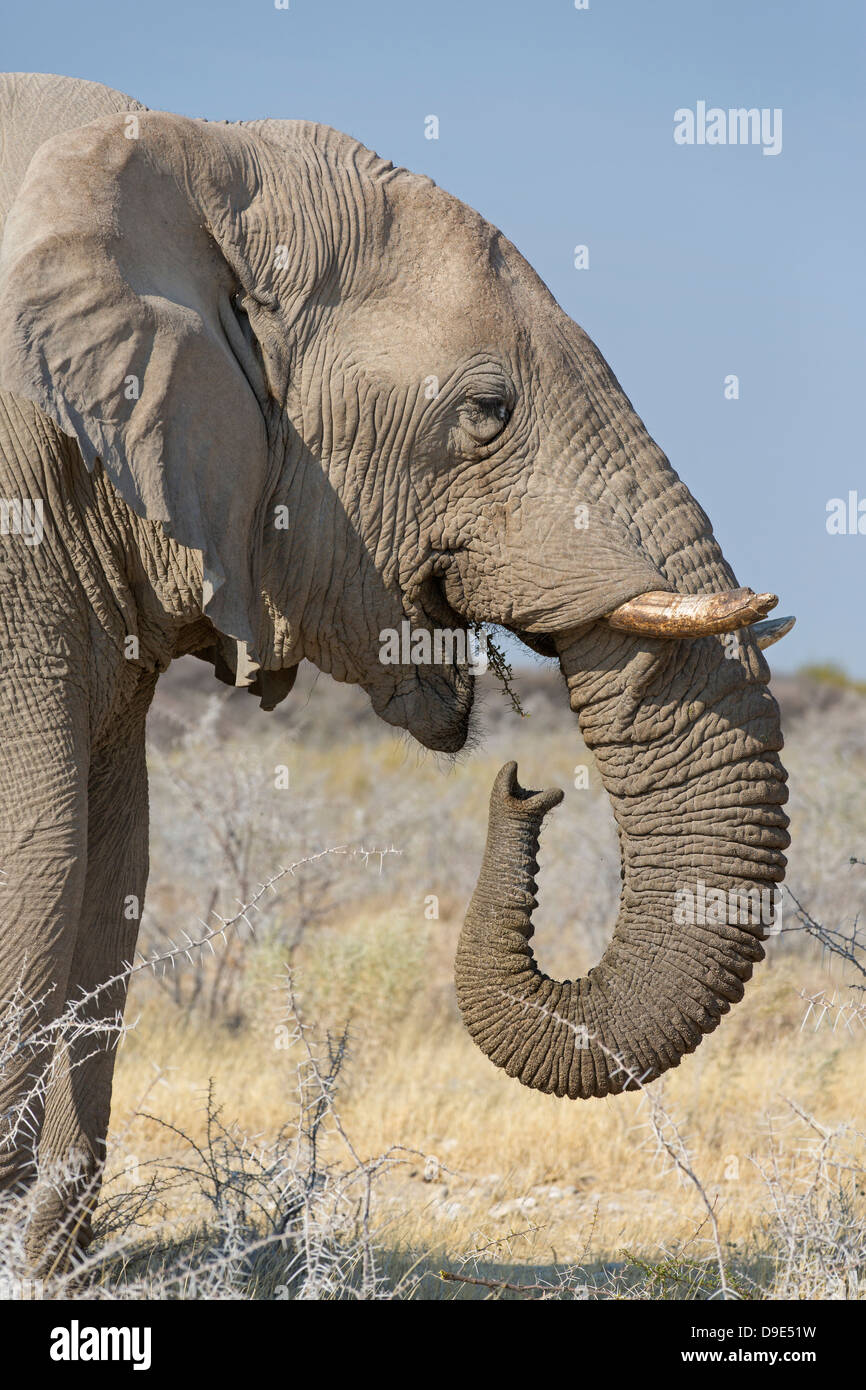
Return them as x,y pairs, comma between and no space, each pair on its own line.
359,404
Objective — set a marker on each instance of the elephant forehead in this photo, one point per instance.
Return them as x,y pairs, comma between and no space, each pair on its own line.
435,319
440,321
445,259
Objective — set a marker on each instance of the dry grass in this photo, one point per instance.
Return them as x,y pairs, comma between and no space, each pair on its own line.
586,1177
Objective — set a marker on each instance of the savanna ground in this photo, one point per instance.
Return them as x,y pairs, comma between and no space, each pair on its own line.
299,1112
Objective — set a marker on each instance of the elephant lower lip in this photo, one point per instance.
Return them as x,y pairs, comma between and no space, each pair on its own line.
434,707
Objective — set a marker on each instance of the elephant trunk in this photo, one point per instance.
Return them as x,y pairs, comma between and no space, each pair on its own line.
686,743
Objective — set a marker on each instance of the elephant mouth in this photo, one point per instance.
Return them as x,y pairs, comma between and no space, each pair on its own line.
537,642
425,598
429,688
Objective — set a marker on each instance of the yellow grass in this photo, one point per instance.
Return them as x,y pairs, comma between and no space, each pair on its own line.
578,1181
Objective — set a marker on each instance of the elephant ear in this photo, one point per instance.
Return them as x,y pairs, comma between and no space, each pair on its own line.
122,260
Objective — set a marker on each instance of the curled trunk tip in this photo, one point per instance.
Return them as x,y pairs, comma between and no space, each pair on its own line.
508,796
658,989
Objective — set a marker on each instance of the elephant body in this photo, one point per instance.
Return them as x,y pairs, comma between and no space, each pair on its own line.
263,397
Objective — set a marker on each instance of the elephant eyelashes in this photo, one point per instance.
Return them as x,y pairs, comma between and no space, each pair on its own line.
497,408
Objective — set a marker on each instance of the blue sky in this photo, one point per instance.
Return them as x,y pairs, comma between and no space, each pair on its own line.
557,124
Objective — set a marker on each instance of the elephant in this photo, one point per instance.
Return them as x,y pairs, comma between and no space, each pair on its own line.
265,397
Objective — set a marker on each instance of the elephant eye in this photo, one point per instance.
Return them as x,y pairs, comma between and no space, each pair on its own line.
485,417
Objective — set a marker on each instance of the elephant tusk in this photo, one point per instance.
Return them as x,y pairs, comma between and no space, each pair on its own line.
766,633
691,615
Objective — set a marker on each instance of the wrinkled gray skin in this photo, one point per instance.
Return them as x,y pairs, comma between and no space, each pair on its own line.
283,297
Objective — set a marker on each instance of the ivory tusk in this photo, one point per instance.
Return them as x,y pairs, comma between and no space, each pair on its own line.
691,615
772,630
